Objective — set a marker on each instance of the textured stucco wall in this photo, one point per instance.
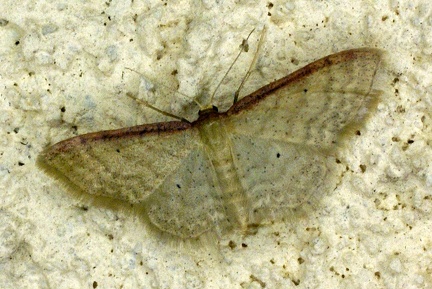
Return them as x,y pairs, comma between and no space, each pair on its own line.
62,73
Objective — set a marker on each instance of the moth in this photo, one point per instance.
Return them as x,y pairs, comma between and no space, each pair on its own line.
269,153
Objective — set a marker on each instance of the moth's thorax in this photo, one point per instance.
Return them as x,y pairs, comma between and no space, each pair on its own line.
218,145
213,134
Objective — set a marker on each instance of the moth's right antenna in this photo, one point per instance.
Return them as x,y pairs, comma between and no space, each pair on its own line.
236,95
244,47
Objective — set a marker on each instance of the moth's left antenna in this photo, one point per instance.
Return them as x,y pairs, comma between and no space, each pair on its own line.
157,109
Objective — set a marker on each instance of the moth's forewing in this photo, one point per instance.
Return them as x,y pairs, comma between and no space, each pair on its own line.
283,134
123,164
314,104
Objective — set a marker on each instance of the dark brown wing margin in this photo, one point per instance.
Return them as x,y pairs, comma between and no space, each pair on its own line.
343,56
128,132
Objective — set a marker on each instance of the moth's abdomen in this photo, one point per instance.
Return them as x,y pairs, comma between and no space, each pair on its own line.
233,195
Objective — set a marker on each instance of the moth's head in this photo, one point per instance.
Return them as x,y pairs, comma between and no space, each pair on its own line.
206,112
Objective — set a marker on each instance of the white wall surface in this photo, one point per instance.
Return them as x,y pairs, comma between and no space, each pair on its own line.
373,231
